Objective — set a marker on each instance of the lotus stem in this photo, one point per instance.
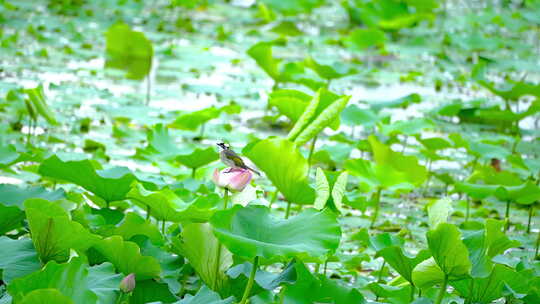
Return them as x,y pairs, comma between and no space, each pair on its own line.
193,170
250,281
147,213
413,290
537,245
442,291
163,227
507,216
531,212
325,266
381,271
468,210
218,252
148,88
428,177
273,199
288,210
201,134
377,198
379,276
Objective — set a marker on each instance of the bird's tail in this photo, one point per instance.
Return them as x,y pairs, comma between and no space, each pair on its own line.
254,171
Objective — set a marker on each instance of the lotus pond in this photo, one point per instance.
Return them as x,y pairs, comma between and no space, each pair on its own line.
397,143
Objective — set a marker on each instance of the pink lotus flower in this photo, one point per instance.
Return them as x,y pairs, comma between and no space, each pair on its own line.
233,179
128,283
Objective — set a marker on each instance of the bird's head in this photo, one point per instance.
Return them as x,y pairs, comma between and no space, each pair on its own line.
223,146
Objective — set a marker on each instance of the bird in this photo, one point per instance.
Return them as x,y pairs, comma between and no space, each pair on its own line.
231,159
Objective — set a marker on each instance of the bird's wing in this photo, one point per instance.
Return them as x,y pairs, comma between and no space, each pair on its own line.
235,158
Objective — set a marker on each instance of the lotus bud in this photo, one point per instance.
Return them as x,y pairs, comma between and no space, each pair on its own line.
233,179
128,283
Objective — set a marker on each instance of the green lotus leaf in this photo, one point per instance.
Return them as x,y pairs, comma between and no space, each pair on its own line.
476,191
329,115
205,296
525,194
36,99
284,166
402,102
485,244
448,250
327,72
191,121
251,231
352,115
381,241
438,212
409,127
151,291
293,7
373,176
110,185
290,103
104,282
427,273
435,143
11,217
361,39
11,195
322,190
17,258
307,116
414,173
71,279
199,246
338,190
126,258
490,288
262,54
134,224
198,158
403,264
46,296
160,142
171,264
128,50
165,205
309,288
53,233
